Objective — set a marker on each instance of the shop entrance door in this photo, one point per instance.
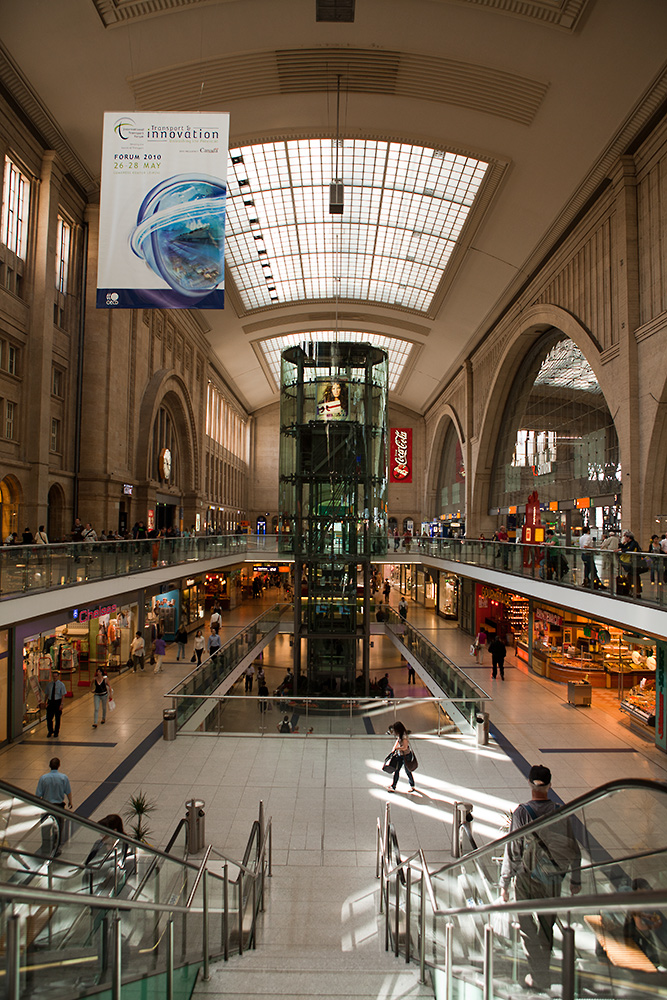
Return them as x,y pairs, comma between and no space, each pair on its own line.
165,515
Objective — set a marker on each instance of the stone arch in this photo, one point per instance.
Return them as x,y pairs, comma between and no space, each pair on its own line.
447,416
55,513
11,505
166,387
654,479
534,323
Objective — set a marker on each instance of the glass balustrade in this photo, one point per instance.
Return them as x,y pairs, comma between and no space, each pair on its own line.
587,902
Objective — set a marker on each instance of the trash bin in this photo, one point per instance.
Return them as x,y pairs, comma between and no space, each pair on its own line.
195,815
482,720
169,724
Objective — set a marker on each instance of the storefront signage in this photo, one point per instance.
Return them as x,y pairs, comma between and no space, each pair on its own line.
583,503
549,617
162,211
128,489
400,455
89,613
190,583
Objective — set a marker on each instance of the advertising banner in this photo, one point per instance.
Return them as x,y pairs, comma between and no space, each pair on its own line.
400,455
661,695
332,400
162,211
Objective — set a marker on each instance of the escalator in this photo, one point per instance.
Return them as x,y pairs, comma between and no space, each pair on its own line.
609,938
86,910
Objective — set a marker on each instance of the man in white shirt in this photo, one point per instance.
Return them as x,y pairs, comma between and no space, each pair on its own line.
588,559
89,534
138,651
249,677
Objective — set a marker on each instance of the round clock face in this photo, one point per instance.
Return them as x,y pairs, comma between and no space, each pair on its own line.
165,463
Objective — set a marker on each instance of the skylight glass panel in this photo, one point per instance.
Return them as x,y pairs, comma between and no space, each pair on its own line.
398,350
403,205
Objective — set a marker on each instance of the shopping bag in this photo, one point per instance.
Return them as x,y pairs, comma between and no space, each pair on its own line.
112,705
390,762
193,658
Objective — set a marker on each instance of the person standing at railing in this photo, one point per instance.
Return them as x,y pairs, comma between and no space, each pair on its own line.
538,865
630,563
588,559
41,538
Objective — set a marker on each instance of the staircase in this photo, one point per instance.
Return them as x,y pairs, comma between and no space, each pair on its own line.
320,936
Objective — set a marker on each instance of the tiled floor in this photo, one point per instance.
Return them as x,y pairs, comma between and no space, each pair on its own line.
325,795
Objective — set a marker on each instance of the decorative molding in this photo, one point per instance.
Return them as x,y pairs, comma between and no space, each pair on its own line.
563,14
610,354
36,111
657,325
208,83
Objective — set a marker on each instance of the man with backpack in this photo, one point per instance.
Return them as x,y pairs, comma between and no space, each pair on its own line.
539,863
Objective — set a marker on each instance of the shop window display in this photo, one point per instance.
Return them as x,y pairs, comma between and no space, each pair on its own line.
76,649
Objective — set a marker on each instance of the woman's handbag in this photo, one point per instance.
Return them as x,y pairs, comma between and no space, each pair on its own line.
410,761
390,762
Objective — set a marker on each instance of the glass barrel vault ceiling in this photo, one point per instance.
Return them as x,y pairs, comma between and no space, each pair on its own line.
404,209
398,350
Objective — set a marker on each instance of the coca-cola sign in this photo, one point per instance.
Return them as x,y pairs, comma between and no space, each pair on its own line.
400,455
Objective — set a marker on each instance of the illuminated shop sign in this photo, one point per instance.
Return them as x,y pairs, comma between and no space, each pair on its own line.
549,617
128,489
400,455
91,613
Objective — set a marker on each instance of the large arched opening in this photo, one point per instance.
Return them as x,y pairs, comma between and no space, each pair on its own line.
11,500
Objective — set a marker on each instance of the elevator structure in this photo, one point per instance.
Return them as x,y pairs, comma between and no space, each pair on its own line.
333,503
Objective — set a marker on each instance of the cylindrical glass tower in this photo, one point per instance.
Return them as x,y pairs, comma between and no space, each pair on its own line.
333,502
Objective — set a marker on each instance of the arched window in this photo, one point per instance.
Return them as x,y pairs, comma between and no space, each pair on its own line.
450,491
164,452
557,435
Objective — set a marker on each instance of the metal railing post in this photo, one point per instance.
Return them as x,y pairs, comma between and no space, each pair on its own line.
397,904
170,958
240,885
225,913
568,963
488,962
13,957
207,974
422,930
449,957
408,891
116,967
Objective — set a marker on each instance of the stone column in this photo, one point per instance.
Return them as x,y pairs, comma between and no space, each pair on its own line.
39,348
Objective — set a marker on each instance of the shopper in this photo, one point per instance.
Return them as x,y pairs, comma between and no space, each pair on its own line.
54,787
386,590
54,693
27,538
199,645
159,650
630,564
249,677
498,650
138,651
403,609
41,538
588,559
101,694
480,645
213,644
181,640
403,754
539,867
216,620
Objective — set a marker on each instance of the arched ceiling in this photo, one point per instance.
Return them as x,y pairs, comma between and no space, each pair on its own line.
544,94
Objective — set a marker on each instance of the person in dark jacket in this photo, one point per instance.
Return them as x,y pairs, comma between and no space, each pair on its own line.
497,649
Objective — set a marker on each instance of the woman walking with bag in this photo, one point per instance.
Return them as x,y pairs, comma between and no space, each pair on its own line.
101,694
403,755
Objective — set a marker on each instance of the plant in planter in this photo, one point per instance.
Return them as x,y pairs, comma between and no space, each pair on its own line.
138,809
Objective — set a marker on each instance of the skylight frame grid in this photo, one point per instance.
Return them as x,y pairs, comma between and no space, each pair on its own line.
285,185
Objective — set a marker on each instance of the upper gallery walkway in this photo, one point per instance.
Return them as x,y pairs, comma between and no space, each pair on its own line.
631,586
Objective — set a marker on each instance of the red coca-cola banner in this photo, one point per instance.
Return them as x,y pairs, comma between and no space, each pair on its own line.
400,455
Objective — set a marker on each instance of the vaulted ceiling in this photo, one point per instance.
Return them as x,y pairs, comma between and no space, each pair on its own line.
472,133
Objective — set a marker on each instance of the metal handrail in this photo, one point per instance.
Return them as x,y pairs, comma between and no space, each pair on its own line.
612,902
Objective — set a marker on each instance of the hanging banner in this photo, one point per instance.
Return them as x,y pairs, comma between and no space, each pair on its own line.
162,211
400,455
661,695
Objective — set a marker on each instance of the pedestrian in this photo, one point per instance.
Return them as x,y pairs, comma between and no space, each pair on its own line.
181,640
263,692
54,693
539,866
407,539
41,538
215,621
497,649
77,530
403,754
199,645
386,590
54,787
213,644
630,563
159,650
655,550
480,644
28,538
403,609
285,726
397,539
588,559
249,677
101,694
138,651
412,677
89,534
